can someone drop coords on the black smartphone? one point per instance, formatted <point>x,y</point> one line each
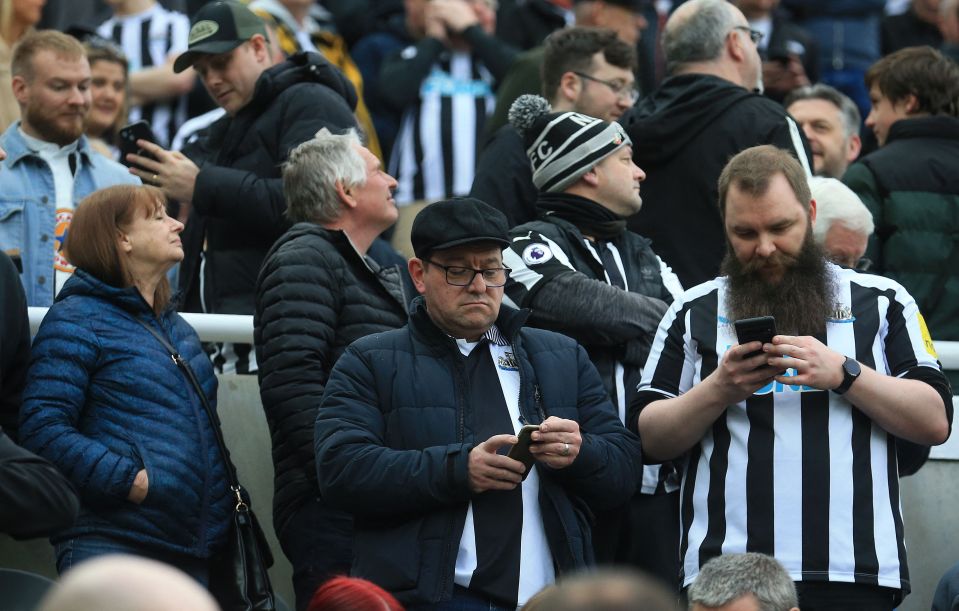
<point>129,134</point>
<point>520,451</point>
<point>761,329</point>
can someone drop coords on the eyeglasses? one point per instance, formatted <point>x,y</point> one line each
<point>862,264</point>
<point>622,89</point>
<point>463,276</point>
<point>754,35</point>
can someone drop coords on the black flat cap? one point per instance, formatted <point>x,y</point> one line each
<point>455,222</point>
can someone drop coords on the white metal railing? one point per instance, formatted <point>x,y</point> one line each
<point>210,327</point>
<point>237,328</point>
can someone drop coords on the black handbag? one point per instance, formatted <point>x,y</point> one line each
<point>238,573</point>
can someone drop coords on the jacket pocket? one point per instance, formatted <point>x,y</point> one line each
<point>12,225</point>
<point>389,557</point>
<point>156,479</point>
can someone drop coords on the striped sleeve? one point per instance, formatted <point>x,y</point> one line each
<point>534,260</point>
<point>674,364</point>
<point>905,338</point>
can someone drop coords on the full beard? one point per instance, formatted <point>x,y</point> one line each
<point>800,302</point>
<point>54,131</point>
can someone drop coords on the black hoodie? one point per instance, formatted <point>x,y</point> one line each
<point>239,190</point>
<point>683,135</point>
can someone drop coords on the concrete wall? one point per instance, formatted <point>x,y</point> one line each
<point>930,502</point>
<point>930,506</point>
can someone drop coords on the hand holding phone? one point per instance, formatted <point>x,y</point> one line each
<point>520,451</point>
<point>129,134</point>
<point>761,329</point>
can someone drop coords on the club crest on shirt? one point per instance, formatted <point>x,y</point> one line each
<point>507,361</point>
<point>537,254</point>
<point>841,313</point>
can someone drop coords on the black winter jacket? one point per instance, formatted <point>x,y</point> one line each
<point>613,325</point>
<point>315,296</point>
<point>14,345</point>
<point>683,135</point>
<point>504,177</point>
<point>35,498</point>
<point>393,437</point>
<point>239,190</point>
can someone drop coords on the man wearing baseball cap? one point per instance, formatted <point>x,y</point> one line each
<point>232,190</point>
<point>415,424</point>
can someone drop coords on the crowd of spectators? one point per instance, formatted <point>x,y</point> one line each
<point>413,173</point>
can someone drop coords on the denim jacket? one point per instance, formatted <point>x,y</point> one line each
<point>28,203</point>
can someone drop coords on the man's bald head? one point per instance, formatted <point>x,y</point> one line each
<point>127,583</point>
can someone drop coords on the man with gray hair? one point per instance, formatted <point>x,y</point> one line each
<point>706,111</point>
<point>843,223</point>
<point>317,292</point>
<point>830,120</point>
<point>743,582</point>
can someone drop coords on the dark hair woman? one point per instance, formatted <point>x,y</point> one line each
<point>108,406</point>
<point>109,92</point>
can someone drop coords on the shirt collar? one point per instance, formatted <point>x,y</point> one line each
<point>492,335</point>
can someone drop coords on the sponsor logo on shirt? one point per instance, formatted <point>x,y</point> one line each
<point>926,338</point>
<point>537,254</point>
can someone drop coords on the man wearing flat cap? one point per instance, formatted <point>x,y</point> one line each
<point>232,183</point>
<point>415,424</point>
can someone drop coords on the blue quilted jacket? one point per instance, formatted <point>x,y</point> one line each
<point>104,399</point>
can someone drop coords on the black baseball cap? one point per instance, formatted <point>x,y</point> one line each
<point>217,28</point>
<point>455,222</point>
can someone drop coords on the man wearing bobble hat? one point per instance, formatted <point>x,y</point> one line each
<point>582,273</point>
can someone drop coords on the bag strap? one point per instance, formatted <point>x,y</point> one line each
<point>191,376</point>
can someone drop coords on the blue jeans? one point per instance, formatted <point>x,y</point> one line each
<point>463,600</point>
<point>71,552</point>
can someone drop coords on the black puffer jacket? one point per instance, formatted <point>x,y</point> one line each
<point>395,430</point>
<point>239,192</point>
<point>315,295</point>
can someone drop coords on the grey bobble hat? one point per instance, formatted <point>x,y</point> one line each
<point>562,146</point>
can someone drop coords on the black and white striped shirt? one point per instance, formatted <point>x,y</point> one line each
<point>797,473</point>
<point>147,39</point>
<point>436,148</point>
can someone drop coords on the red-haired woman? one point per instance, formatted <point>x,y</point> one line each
<point>352,594</point>
<point>108,406</point>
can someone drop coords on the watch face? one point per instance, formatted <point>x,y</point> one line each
<point>851,367</point>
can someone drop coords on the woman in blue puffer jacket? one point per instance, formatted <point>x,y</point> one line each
<point>108,406</point>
